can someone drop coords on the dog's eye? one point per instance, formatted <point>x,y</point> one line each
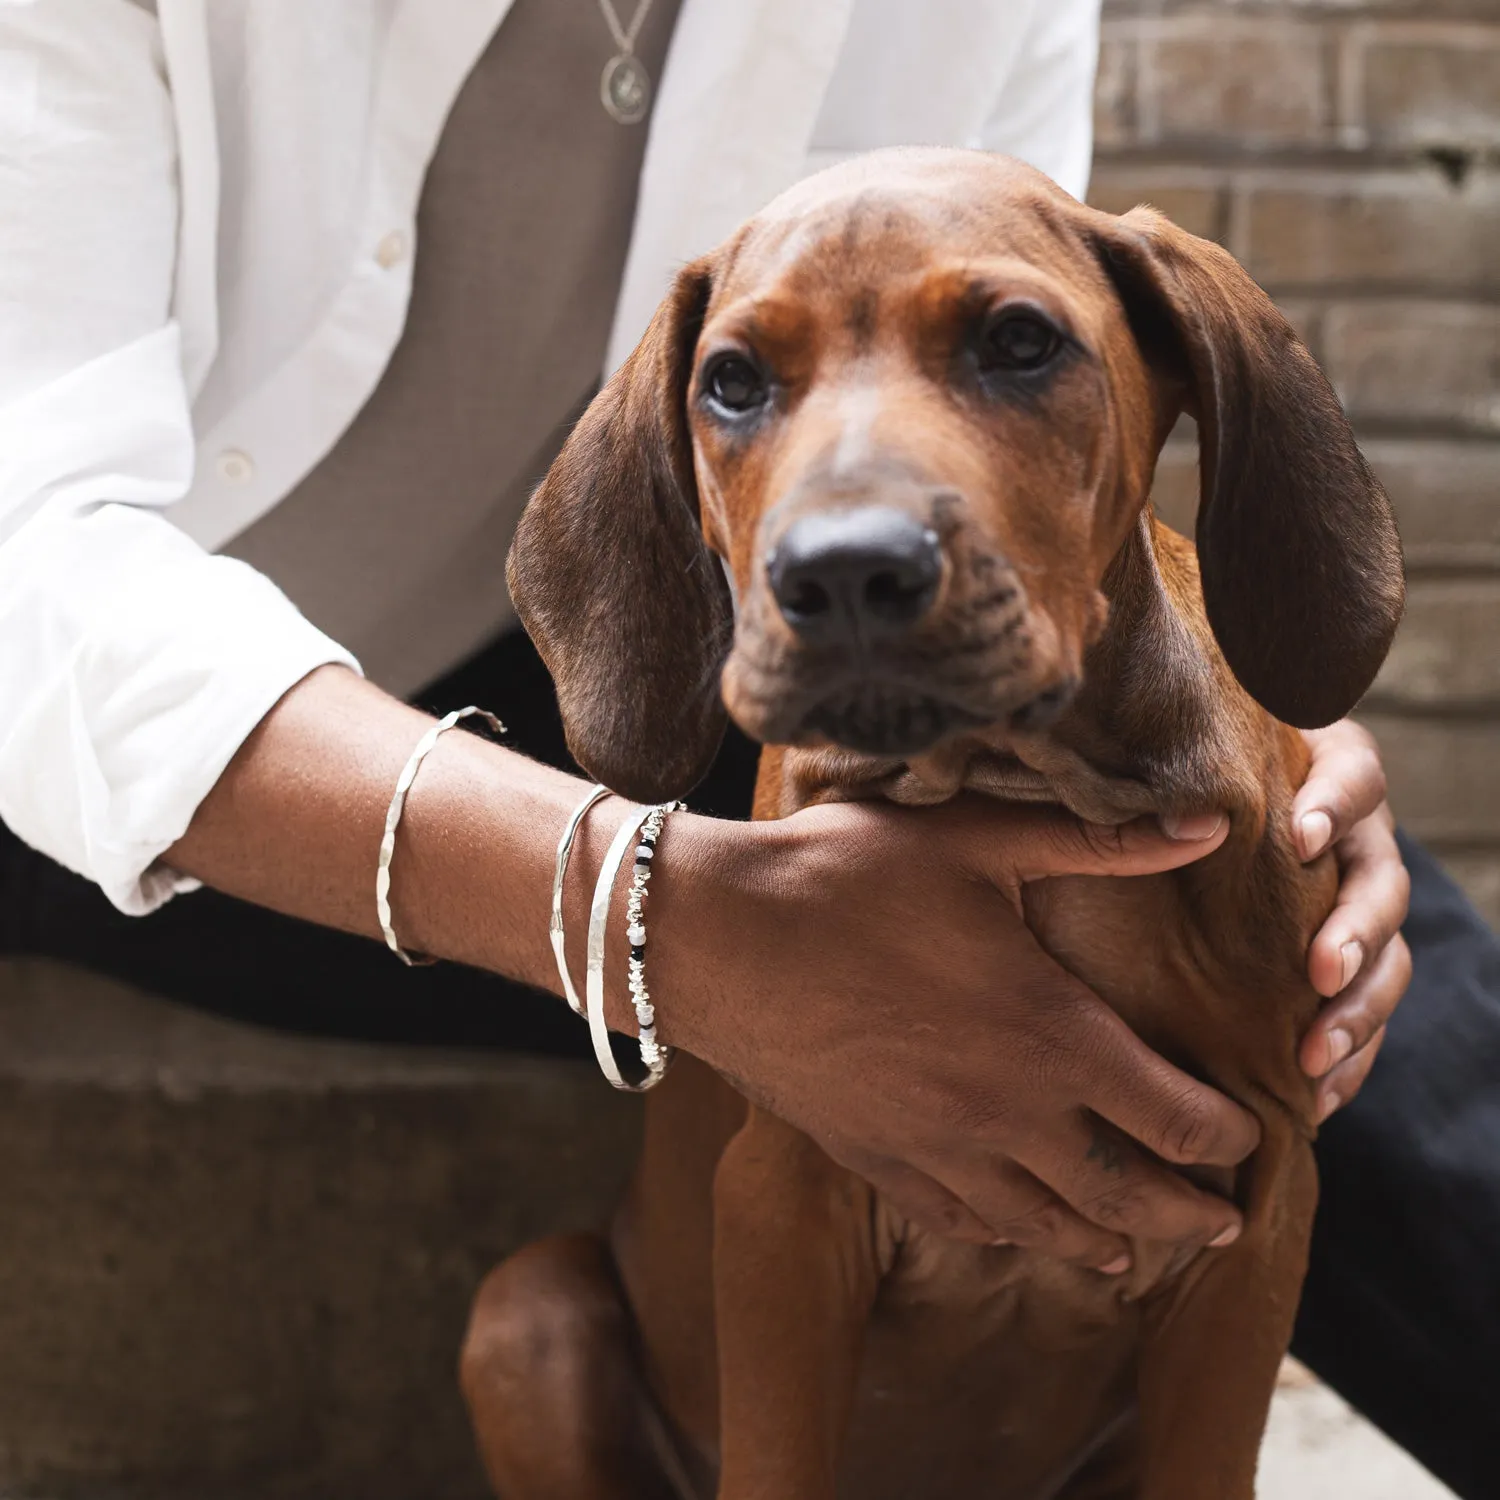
<point>733,383</point>
<point>1018,341</point>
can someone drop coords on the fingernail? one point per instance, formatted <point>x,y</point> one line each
<point>1000,1244</point>
<point>1193,830</point>
<point>1117,1267</point>
<point>1225,1237</point>
<point>1326,1106</point>
<point>1353,955</point>
<point>1340,1045</point>
<point>1317,832</point>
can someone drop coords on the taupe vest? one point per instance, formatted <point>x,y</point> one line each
<point>395,544</point>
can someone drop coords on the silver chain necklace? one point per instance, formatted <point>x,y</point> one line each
<point>625,88</point>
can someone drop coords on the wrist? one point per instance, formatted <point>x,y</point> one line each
<point>702,927</point>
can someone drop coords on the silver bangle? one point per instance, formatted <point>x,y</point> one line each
<point>559,874</point>
<point>656,1057</point>
<point>393,817</point>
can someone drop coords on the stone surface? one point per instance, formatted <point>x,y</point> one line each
<point>1423,85</point>
<point>1316,1448</point>
<point>1175,490</point>
<point>1114,90</point>
<point>1246,83</point>
<point>1193,199</point>
<point>1444,654</point>
<point>1447,499</point>
<point>1444,774</point>
<point>1374,230</point>
<point>1416,363</point>
<point>238,1264</point>
<point>1381,222</point>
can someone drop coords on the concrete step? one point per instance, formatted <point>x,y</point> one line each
<point>233,1263</point>
<point>237,1264</point>
<point>1318,1448</point>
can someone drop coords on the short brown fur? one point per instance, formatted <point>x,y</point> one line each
<point>781,1333</point>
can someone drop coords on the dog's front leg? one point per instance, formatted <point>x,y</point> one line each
<point>1215,1341</point>
<point>795,1275</point>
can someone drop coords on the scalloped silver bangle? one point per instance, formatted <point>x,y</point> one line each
<point>393,819</point>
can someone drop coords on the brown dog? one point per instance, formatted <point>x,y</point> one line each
<point>916,406</point>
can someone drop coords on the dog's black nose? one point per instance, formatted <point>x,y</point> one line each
<point>855,574</point>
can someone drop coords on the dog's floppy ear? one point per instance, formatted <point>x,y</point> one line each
<point>1297,544</point>
<point>612,579</point>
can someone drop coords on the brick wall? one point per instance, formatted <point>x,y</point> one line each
<point>1348,152</point>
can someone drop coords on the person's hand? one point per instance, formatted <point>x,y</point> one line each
<point>1358,955</point>
<point>862,970</point>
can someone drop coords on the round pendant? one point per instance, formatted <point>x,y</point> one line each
<point>625,89</point>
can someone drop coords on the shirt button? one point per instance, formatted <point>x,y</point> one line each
<point>391,250</point>
<point>235,467</point>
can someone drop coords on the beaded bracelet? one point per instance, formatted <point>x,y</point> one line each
<point>393,817</point>
<point>657,1058</point>
<point>652,1054</point>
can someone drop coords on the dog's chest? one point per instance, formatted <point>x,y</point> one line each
<point>987,1371</point>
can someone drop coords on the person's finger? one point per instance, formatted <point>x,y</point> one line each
<point>1371,907</point>
<point>1106,1180</point>
<point>1022,1211</point>
<point>1345,785</point>
<point>1039,842</point>
<point>1178,1118</point>
<point>927,1203</point>
<point>1349,1023</point>
<point>1348,1078</point>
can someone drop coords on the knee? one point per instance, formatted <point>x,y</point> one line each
<point>538,1314</point>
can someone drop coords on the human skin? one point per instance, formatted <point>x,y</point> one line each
<point>875,1013</point>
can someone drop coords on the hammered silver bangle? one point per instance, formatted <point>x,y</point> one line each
<point>393,818</point>
<point>559,874</point>
<point>656,1057</point>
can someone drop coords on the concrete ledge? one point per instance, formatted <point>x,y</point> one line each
<point>235,1263</point>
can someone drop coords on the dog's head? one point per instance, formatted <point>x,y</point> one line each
<point>863,479</point>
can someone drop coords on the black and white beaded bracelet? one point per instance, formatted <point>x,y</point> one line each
<point>641,828</point>
<point>652,1054</point>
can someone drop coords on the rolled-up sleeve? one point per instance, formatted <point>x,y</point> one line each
<point>132,663</point>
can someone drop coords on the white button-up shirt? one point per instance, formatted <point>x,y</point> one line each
<point>207,228</point>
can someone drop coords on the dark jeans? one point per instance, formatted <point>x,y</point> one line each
<point>1401,1311</point>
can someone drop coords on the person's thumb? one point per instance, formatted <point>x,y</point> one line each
<point>1039,842</point>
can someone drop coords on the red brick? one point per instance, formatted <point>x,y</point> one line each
<point>1189,196</point>
<point>1434,661</point>
<point>1423,85</point>
<point>1447,499</point>
<point>1444,774</point>
<point>1386,230</point>
<point>1410,362</point>
<point>1216,81</point>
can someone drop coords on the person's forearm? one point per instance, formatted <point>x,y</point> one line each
<point>296,819</point>
<point>791,956</point>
